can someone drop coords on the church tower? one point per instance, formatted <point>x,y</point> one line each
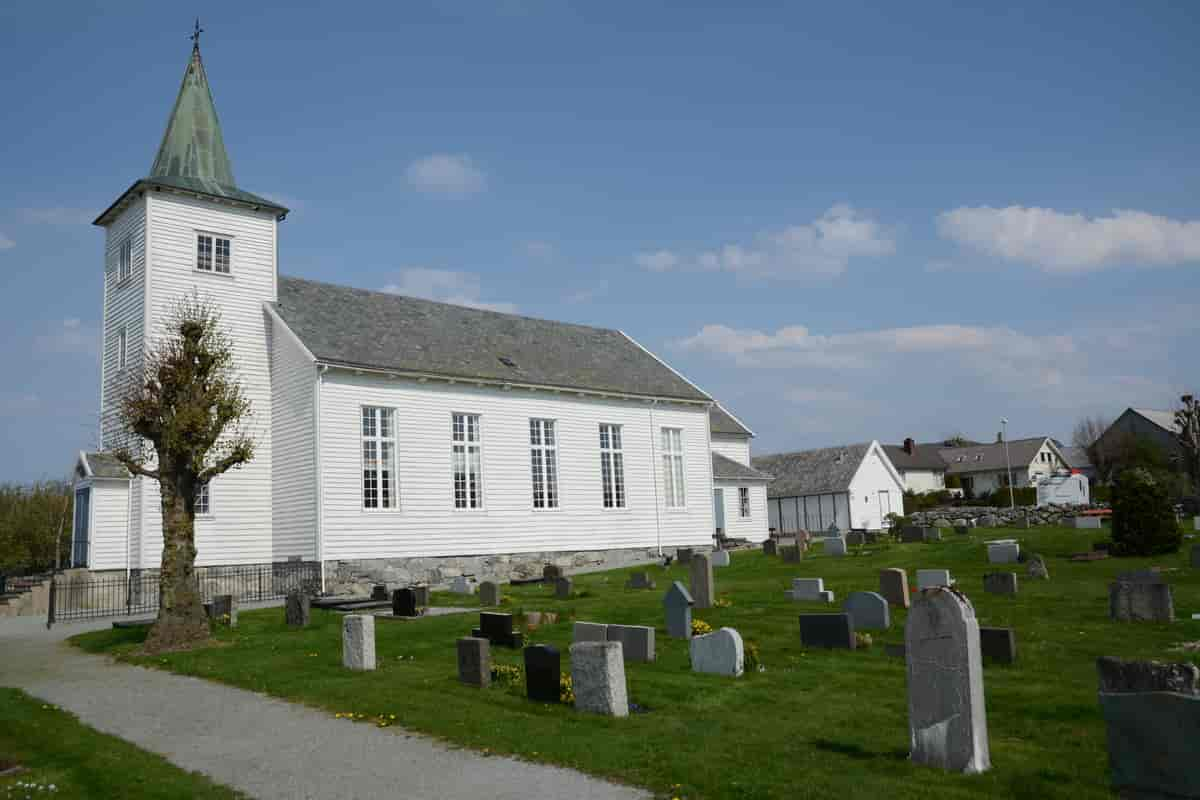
<point>187,229</point>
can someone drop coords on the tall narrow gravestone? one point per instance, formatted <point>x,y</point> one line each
<point>684,555</point>
<point>946,718</point>
<point>893,585</point>
<point>770,548</point>
<point>358,642</point>
<point>489,593</point>
<point>563,588</point>
<point>421,596</point>
<point>678,606</point>
<point>702,580</point>
<point>1196,555</point>
<point>298,609</point>
<point>404,603</point>
<point>225,610</point>
<point>543,665</point>
<point>790,553</point>
<point>474,662</point>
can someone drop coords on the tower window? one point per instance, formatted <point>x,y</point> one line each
<point>212,253</point>
<point>125,259</point>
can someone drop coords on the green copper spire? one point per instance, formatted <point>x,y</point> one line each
<point>192,148</point>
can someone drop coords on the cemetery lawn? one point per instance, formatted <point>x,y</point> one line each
<point>56,748</point>
<point>814,724</point>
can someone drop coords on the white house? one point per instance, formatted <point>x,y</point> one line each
<point>984,468</point>
<point>920,465</point>
<point>739,490</point>
<point>854,486</point>
<point>396,438</point>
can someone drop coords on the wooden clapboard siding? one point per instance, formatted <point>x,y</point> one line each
<point>734,447</point>
<point>293,465</point>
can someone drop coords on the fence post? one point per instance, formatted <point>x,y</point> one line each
<point>52,600</point>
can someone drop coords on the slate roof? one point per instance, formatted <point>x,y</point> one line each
<point>809,472</point>
<point>924,456</point>
<point>1077,457</point>
<point>104,465</point>
<point>721,421</point>
<point>990,457</point>
<point>359,328</point>
<point>1163,419</point>
<point>727,469</point>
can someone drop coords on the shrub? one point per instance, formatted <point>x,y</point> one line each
<point>1022,496</point>
<point>1143,521</point>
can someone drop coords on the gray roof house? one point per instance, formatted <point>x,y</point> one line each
<point>984,468</point>
<point>1151,425</point>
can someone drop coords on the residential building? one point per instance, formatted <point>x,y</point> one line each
<point>921,466</point>
<point>985,468</point>
<point>1150,425</point>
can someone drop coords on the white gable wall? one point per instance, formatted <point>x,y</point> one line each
<point>923,480</point>
<point>427,524</point>
<point>732,446</point>
<point>124,305</point>
<point>294,467</point>
<point>875,475</point>
<point>754,527</point>
<point>108,523</point>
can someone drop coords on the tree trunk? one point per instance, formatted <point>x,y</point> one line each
<point>181,618</point>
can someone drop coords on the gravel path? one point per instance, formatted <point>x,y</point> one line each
<point>264,747</point>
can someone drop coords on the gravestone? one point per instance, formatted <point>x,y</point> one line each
<point>770,548</point>
<point>912,534</point>
<point>1196,556</point>
<point>1036,568</point>
<point>894,650</point>
<point>946,718</point>
<point>835,546</point>
<point>720,653</point>
<point>563,588</point>
<point>640,580</point>
<point>462,585</point>
<point>998,644</point>
<point>941,522</point>
<point>1152,715</point>
<point>404,603</point>
<point>678,605</point>
<point>702,580</point>
<point>1196,523</point>
<point>790,554</point>
<point>933,534</point>
<point>551,573</point>
<point>893,584</point>
<point>868,611</point>
<point>589,632</point>
<point>421,596</point>
<point>379,592</point>
<point>1005,551</point>
<point>1000,583</point>
<point>497,628</point>
<point>684,555</point>
<point>827,630</point>
<point>298,610</point>
<point>931,578</point>
<point>225,610</point>
<point>489,593</point>
<point>474,662</point>
<point>961,530</point>
<point>358,642</point>
<point>598,678</point>
<point>1136,598</point>
<point>637,641</point>
<point>720,558</point>
<point>543,667</point>
<point>962,522</point>
<point>989,521</point>
<point>856,538</point>
<point>810,590</point>
<point>1090,522</point>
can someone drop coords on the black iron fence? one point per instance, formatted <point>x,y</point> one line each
<point>81,597</point>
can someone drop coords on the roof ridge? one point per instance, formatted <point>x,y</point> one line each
<point>815,450</point>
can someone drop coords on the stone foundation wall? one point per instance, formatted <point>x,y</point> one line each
<point>356,577</point>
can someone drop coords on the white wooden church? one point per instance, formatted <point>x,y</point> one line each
<point>396,438</point>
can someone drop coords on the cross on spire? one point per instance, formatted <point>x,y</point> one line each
<point>195,37</point>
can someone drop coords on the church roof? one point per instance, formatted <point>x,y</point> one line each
<point>377,330</point>
<point>808,472</point>
<point>725,468</point>
<point>721,421</point>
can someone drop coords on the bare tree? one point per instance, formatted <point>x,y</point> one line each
<point>189,410</point>
<point>1088,431</point>
<point>1187,419</point>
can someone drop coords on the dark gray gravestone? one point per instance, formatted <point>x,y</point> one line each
<point>543,667</point>
<point>1152,714</point>
<point>1196,556</point>
<point>912,534</point>
<point>791,554</point>
<point>961,530</point>
<point>640,580</point>
<point>678,606</point>
<point>497,629</point>
<point>770,548</point>
<point>856,538</point>
<point>827,630</point>
<point>551,573</point>
<point>421,595</point>
<point>562,588</point>
<point>932,534</point>
<point>893,585</point>
<point>297,612</point>
<point>404,603</point>
<point>225,610</point>
<point>489,593</point>
<point>998,644</point>
<point>868,610</point>
<point>637,641</point>
<point>684,555</point>
<point>1000,583</point>
<point>703,593</point>
<point>379,591</point>
<point>474,662</point>
<point>894,650</point>
<point>1140,601</point>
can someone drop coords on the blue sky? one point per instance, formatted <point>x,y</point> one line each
<point>847,221</point>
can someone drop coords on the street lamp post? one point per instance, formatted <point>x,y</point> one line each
<point>1012,503</point>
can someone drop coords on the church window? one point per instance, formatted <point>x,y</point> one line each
<point>543,455</point>
<point>202,505</point>
<point>378,458</point>
<point>122,347</point>
<point>125,259</point>
<point>466,460</point>
<point>212,253</point>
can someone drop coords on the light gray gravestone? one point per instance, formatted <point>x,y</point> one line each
<point>1007,551</point>
<point>810,590</point>
<point>1036,568</point>
<point>598,678</point>
<point>1000,583</point>
<point>893,585</point>
<point>869,610</point>
<point>358,642</point>
<point>562,588</point>
<point>720,558</point>
<point>637,641</point>
<point>421,596</point>
<point>1152,714</point>
<point>225,610</point>
<point>489,593</point>
<point>770,548</point>
<point>590,632</point>
<point>462,585</point>
<point>1090,522</point>
<point>702,580</point>
<point>835,546</point>
<point>989,521</point>
<point>933,534</point>
<point>678,606</point>
<point>475,661</point>
<point>640,580</point>
<point>720,653</point>
<point>1196,523</point>
<point>298,610</point>
<point>1144,600</point>
<point>930,578</point>
<point>946,717</point>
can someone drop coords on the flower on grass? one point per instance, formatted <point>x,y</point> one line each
<point>700,627</point>
<point>566,690</point>
<point>722,602</point>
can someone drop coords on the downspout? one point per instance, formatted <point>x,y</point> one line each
<point>654,474</point>
<point>128,534</point>
<point>321,368</point>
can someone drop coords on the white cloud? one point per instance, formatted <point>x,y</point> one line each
<point>446,173</point>
<point>446,286</point>
<point>1068,243</point>
<point>822,248</point>
<point>69,336</point>
<point>56,216</point>
<point>6,243</point>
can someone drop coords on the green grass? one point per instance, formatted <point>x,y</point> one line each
<point>57,749</point>
<point>815,724</point>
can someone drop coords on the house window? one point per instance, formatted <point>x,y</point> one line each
<point>744,501</point>
<point>543,460</point>
<point>612,466</point>
<point>378,458</point>
<point>202,501</point>
<point>212,253</point>
<point>122,347</point>
<point>467,461</point>
<point>672,461</point>
<point>125,259</point>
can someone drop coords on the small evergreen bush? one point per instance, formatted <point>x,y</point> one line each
<point>1143,522</point>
